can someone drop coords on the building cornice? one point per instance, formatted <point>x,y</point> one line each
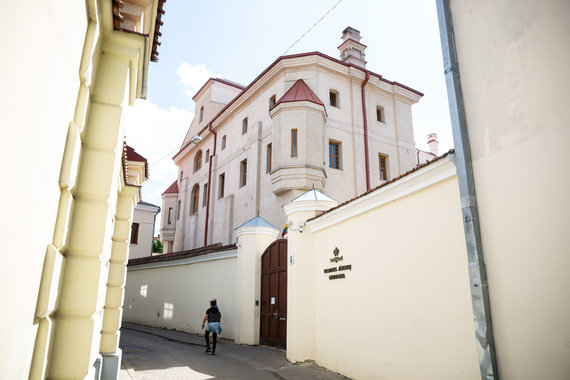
<point>312,205</point>
<point>294,61</point>
<point>256,230</point>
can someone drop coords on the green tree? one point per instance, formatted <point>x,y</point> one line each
<point>157,246</point>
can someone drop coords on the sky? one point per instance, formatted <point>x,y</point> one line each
<point>237,40</point>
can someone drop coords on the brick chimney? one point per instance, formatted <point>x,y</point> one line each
<point>351,50</point>
<point>433,143</point>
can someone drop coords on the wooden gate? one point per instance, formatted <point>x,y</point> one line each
<point>274,294</point>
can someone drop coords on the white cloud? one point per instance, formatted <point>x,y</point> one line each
<point>156,134</point>
<point>194,76</point>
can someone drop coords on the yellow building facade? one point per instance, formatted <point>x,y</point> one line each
<point>72,67</point>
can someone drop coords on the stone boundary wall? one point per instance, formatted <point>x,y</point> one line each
<point>175,294</point>
<point>379,287</point>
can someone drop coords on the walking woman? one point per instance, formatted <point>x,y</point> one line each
<point>212,324</point>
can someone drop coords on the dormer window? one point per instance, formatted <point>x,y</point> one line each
<point>333,97</point>
<point>201,114</point>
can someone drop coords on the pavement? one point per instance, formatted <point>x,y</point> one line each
<point>156,353</point>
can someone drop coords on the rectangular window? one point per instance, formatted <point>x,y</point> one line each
<point>207,158</point>
<point>272,101</point>
<point>293,142</point>
<point>205,196</point>
<point>334,155</point>
<point>383,163</point>
<point>333,97</point>
<point>178,211</point>
<point>243,173</point>
<point>170,215</point>
<point>221,185</point>
<point>135,233</point>
<point>268,165</point>
<point>244,126</point>
<point>380,114</point>
<point>224,142</point>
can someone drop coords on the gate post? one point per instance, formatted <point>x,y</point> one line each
<point>301,274</point>
<point>253,237</point>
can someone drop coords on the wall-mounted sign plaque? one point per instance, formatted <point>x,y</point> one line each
<point>336,258</point>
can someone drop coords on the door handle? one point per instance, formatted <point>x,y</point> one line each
<point>275,314</point>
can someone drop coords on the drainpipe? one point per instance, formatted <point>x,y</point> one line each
<point>209,185</point>
<point>366,164</point>
<point>477,271</point>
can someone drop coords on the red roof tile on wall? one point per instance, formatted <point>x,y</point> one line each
<point>213,248</point>
<point>415,169</point>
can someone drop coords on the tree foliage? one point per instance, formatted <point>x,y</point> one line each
<point>157,246</point>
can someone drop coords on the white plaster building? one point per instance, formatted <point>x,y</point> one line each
<point>142,229</point>
<point>307,121</point>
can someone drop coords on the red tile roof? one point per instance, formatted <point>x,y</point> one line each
<point>132,155</point>
<point>218,247</point>
<point>451,151</point>
<point>172,189</point>
<point>299,92</point>
<point>129,154</point>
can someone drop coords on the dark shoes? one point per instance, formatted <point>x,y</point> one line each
<point>213,352</point>
<point>208,349</point>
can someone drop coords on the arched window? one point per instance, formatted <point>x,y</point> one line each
<point>201,114</point>
<point>195,198</point>
<point>198,161</point>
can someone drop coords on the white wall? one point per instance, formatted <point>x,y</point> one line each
<point>176,294</point>
<point>145,217</point>
<point>404,309</point>
<point>40,80</point>
<point>513,60</point>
